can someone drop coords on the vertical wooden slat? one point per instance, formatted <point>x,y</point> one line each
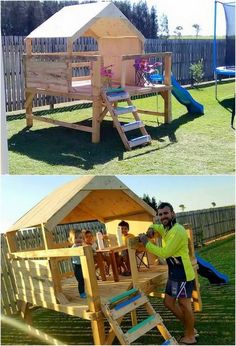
<point>94,302</point>
<point>8,288</point>
<point>97,101</point>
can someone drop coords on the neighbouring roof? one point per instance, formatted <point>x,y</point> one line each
<point>103,198</point>
<point>97,20</point>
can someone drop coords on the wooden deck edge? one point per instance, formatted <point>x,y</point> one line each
<point>71,95</point>
<point>73,310</point>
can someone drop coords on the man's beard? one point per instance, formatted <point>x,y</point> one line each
<point>170,223</point>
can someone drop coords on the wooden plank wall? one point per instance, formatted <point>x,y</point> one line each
<point>185,52</point>
<point>34,279</point>
<point>209,224</point>
<point>8,288</point>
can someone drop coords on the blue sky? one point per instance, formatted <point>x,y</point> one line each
<point>189,12</point>
<point>21,193</point>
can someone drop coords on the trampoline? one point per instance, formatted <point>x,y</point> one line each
<point>228,70</point>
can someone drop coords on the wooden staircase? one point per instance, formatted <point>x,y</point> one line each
<point>111,97</point>
<point>117,307</point>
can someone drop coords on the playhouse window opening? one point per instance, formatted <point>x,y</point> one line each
<point>61,231</point>
<point>28,238</point>
<point>59,45</point>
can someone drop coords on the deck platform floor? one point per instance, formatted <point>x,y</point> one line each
<point>83,90</point>
<point>109,288</point>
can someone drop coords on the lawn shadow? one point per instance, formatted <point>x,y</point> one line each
<point>66,147</point>
<point>169,130</point>
<point>59,146</point>
<point>229,104</point>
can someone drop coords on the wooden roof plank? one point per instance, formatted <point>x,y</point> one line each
<point>73,21</point>
<point>107,195</point>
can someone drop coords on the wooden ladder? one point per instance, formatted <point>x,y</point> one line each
<point>117,307</point>
<point>111,97</point>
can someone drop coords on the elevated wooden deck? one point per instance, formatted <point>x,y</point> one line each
<point>148,280</point>
<point>83,90</point>
<point>52,74</point>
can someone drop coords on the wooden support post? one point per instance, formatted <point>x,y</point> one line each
<point>28,46</point>
<point>28,108</point>
<point>69,63</point>
<point>11,241</point>
<point>28,95</point>
<point>123,73</point>
<point>167,66</point>
<point>93,297</point>
<point>196,296</point>
<point>47,238</point>
<point>97,100</point>
<point>96,124</point>
<point>56,276</point>
<point>167,94</point>
<point>25,311</point>
<point>132,258</point>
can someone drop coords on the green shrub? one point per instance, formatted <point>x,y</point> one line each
<point>196,71</point>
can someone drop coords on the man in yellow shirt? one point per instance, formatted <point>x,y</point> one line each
<point>181,275</point>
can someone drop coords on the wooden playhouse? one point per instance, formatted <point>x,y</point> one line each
<point>77,74</point>
<point>36,264</point>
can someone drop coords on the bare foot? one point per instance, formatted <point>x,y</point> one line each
<point>187,341</point>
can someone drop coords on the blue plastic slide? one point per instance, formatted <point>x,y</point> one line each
<point>207,270</point>
<point>184,97</point>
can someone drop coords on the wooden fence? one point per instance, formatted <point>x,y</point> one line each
<point>207,224</point>
<point>184,52</point>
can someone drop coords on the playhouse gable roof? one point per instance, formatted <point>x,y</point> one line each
<point>103,198</point>
<point>97,20</point>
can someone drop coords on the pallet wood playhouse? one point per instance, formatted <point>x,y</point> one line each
<point>40,283</point>
<point>77,74</point>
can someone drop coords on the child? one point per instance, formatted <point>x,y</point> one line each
<point>89,240</point>
<point>75,238</point>
<point>124,260</point>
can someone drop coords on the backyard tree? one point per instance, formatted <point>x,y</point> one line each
<point>197,29</point>
<point>150,201</point>
<point>178,31</point>
<point>164,27</point>
<point>182,207</point>
<point>213,204</point>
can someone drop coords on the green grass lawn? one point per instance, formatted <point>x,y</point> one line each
<point>216,322</point>
<point>189,145</point>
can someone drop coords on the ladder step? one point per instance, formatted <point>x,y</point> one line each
<point>122,296</point>
<point>139,140</point>
<point>143,327</point>
<point>117,96</point>
<point>127,302</point>
<point>131,305</point>
<point>112,90</point>
<point>132,126</point>
<point>124,110</point>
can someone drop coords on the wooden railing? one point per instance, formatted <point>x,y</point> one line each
<point>166,57</point>
<point>57,71</point>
